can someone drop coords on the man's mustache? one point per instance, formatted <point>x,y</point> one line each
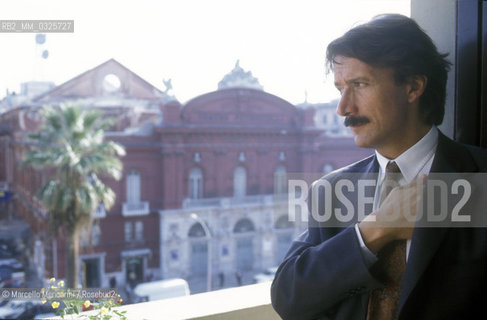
<point>355,120</point>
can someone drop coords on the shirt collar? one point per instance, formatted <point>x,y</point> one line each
<point>412,161</point>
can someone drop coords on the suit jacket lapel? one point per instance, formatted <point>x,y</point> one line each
<point>367,171</point>
<point>370,172</point>
<point>373,166</point>
<point>424,244</point>
<point>425,241</point>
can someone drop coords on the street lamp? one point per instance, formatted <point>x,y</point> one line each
<point>194,216</point>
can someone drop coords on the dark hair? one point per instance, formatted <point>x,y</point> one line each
<point>396,41</point>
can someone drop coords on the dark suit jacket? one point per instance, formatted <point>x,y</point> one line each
<point>324,277</point>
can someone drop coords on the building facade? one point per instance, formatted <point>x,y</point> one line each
<point>204,185</point>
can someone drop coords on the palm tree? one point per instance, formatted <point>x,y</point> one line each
<point>70,144</point>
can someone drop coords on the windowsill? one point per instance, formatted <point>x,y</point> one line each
<point>135,209</point>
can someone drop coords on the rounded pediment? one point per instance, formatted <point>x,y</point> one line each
<point>240,107</point>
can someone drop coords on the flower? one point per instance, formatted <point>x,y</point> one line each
<point>55,304</point>
<point>86,304</point>
<point>110,302</point>
<point>43,300</point>
<point>103,310</point>
<point>52,280</point>
<point>61,283</point>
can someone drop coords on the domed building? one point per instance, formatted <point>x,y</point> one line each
<point>233,148</point>
<point>204,188</point>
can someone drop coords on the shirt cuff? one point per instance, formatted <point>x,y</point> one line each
<point>368,256</point>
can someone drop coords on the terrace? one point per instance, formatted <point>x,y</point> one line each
<point>246,302</point>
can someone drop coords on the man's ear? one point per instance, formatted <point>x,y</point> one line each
<point>416,86</point>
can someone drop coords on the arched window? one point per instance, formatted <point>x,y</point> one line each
<point>244,244</point>
<point>197,157</point>
<point>195,183</point>
<point>280,183</point>
<point>241,157</point>
<point>243,226</point>
<point>283,223</point>
<point>239,182</point>
<point>133,187</point>
<point>196,231</point>
<point>199,250</point>
<point>284,236</point>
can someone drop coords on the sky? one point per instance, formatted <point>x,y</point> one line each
<point>192,42</point>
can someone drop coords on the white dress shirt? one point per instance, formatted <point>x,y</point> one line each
<point>414,162</point>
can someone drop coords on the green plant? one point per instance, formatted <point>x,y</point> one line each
<point>65,305</point>
<point>71,146</point>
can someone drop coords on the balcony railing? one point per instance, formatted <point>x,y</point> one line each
<point>135,208</point>
<point>263,199</point>
<point>246,302</point>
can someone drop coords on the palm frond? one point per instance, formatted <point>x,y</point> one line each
<point>71,143</point>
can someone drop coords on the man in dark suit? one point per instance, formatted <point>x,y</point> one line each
<point>392,82</point>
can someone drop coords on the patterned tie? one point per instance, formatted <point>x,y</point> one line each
<point>391,263</point>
